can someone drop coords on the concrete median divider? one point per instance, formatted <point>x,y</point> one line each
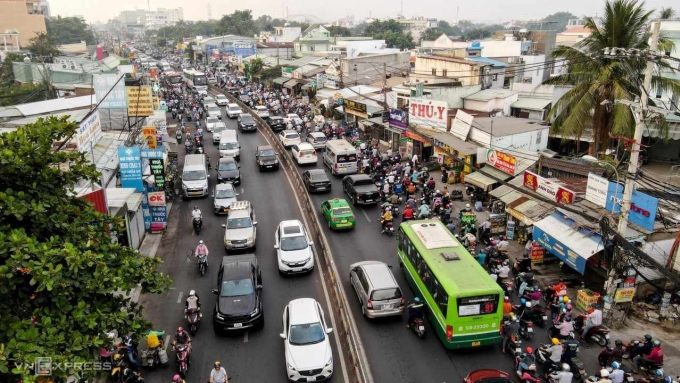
<point>358,367</point>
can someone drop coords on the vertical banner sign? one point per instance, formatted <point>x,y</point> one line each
<point>398,119</point>
<point>156,165</point>
<point>596,191</point>
<point>158,214</point>
<point>140,100</point>
<point>462,124</point>
<point>89,132</point>
<point>149,134</point>
<point>157,198</point>
<point>116,97</point>
<point>130,162</point>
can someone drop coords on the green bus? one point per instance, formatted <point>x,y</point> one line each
<point>464,305</point>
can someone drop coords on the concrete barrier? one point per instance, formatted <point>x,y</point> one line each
<point>355,356</point>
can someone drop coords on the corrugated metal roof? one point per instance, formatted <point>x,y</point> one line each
<point>50,106</point>
<point>490,94</point>
<point>280,80</point>
<point>531,103</point>
<point>570,167</point>
<point>487,60</point>
<point>134,201</point>
<point>532,209</point>
<point>463,147</point>
<point>501,191</point>
<point>74,116</point>
<point>105,152</point>
<point>118,197</point>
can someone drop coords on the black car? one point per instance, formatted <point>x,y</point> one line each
<point>316,180</point>
<point>228,170</point>
<point>277,123</point>
<point>239,294</point>
<point>244,99</point>
<point>361,189</point>
<point>266,158</point>
<point>246,122</point>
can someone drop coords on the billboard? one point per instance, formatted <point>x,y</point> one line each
<point>398,119</point>
<point>89,132</point>
<point>501,161</point>
<point>642,207</point>
<point>428,113</point>
<point>554,191</point>
<point>244,49</point>
<point>597,189</point>
<point>116,98</point>
<point>130,163</point>
<point>461,125</point>
<point>140,100</point>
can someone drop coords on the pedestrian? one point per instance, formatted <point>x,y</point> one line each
<point>414,161</point>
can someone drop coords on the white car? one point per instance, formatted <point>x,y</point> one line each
<point>306,341</point>
<point>293,248</point>
<point>214,111</point>
<point>317,139</point>
<point>211,122</point>
<point>292,117</point>
<point>233,110</point>
<point>221,100</point>
<point>289,138</point>
<point>304,153</point>
<point>208,102</point>
<point>262,111</point>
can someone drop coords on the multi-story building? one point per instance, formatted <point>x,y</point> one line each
<point>316,38</point>
<point>23,16</point>
<point>163,17</point>
<point>45,6</point>
<point>417,25</point>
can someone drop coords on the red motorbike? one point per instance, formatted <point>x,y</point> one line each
<point>182,359</point>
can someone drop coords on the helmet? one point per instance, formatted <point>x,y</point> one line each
<point>615,365</point>
<point>610,348</point>
<point>568,319</point>
<point>668,379</point>
<point>506,299</point>
<point>658,372</point>
<point>528,304</point>
<point>657,343</point>
<point>648,337</point>
<point>467,205</point>
<point>569,306</point>
<point>565,367</point>
<point>561,299</point>
<point>192,293</point>
<point>522,301</point>
<point>438,192</point>
<point>176,379</point>
<point>555,341</point>
<point>201,242</point>
<point>604,373</point>
<point>529,350</point>
<point>493,243</point>
<point>179,329</point>
<point>590,310</point>
<point>618,343</point>
<point>417,300</point>
<point>217,363</point>
<point>566,299</point>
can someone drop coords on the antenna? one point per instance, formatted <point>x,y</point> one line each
<point>457,10</point>
<point>148,4</point>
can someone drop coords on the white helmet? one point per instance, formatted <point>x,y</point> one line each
<point>604,373</point>
<point>192,293</point>
<point>467,205</point>
<point>528,304</point>
<point>201,242</point>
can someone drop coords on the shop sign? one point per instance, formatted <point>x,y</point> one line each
<point>415,136</point>
<point>130,163</point>
<point>561,251</point>
<point>547,188</point>
<point>89,132</point>
<point>158,171</point>
<point>297,75</point>
<point>462,124</point>
<point>116,96</point>
<point>157,198</point>
<point>428,113</point>
<point>287,72</point>
<point>398,119</point>
<point>330,83</point>
<point>355,107</point>
<point>244,49</point>
<point>153,153</point>
<point>625,294</point>
<point>158,214</point>
<point>501,161</point>
<point>140,100</point>
<point>321,80</point>
<point>597,188</point>
<point>642,207</point>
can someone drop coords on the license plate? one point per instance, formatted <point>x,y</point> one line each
<point>530,329</point>
<point>369,200</point>
<point>342,224</point>
<point>321,187</point>
<point>476,343</point>
<point>630,379</point>
<point>422,328</point>
<point>238,325</point>
<point>311,379</point>
<point>388,307</point>
<point>343,221</point>
<point>270,166</point>
<point>606,336</point>
<point>226,210</point>
<point>518,350</point>
<point>239,246</point>
<point>545,317</point>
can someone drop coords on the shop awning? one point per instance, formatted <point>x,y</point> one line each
<point>340,109</point>
<point>528,210</point>
<point>280,80</point>
<point>531,103</point>
<point>464,148</point>
<point>486,177</point>
<point>290,83</point>
<point>571,244</point>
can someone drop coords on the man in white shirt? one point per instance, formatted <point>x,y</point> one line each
<point>593,319</point>
<point>218,374</point>
<point>503,271</point>
<point>362,146</point>
<point>196,213</point>
<point>414,161</point>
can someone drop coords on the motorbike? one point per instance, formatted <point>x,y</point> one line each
<point>181,358</point>
<point>540,315</point>
<point>193,319</point>
<point>526,328</point>
<point>597,334</point>
<point>198,225</point>
<point>388,228</point>
<point>521,266</point>
<point>456,195</point>
<point>178,136</point>
<point>418,327</point>
<point>202,263</point>
<point>528,375</point>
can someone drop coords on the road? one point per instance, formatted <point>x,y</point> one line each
<point>248,357</point>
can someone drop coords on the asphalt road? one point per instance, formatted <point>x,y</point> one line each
<point>256,356</point>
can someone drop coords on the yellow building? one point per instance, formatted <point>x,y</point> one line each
<point>25,16</point>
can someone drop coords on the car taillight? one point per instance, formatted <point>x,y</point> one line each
<point>301,155</point>
<point>449,333</point>
<point>403,301</point>
<point>352,217</point>
<point>314,154</point>
<point>369,304</point>
<point>336,166</point>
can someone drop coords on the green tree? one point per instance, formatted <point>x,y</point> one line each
<point>378,27</point>
<point>558,21</point>
<point>60,273</point>
<point>430,34</point>
<point>666,13</point>
<point>43,47</point>
<point>256,67</point>
<point>598,82</point>
<point>238,23</point>
<point>340,31</point>
<point>69,30</point>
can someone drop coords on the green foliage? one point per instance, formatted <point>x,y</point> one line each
<point>69,30</point>
<point>378,27</point>
<point>238,23</point>
<point>15,93</point>
<point>59,271</point>
<point>560,18</point>
<point>187,29</point>
<point>431,34</point>
<point>337,30</point>
<point>43,47</point>
<point>6,71</point>
<point>481,32</point>
<point>268,73</point>
<point>255,67</point>
<point>666,13</point>
<point>390,31</point>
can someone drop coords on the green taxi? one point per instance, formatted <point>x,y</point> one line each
<point>338,214</point>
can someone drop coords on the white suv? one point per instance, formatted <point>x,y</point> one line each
<point>304,153</point>
<point>241,231</point>
<point>293,248</point>
<point>233,110</point>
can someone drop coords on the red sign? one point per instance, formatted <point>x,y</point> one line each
<point>156,198</point>
<point>501,161</point>
<point>550,189</point>
<point>98,199</point>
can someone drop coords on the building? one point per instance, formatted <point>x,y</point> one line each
<point>24,16</point>
<point>438,68</point>
<point>416,26</point>
<point>572,36</point>
<point>280,35</point>
<point>163,17</point>
<point>366,69</point>
<point>494,102</point>
<point>10,42</point>
<point>45,6</point>
<point>523,56</point>
<point>442,42</point>
<point>510,133</point>
<point>354,48</point>
<point>316,38</point>
<point>133,22</point>
<point>276,51</point>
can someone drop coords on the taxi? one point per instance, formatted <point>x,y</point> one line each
<point>338,214</point>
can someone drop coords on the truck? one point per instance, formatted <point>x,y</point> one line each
<point>361,189</point>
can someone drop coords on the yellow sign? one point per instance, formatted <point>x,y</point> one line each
<point>151,142</point>
<point>140,101</point>
<point>131,55</point>
<point>625,294</point>
<point>148,131</point>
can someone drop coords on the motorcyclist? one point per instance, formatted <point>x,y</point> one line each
<point>424,211</point>
<point>507,307</point>
<point>510,329</point>
<point>386,218</point>
<point>617,373</point>
<point>564,376</point>
<point>617,354</point>
<point>130,346</point>
<point>527,361</point>
<point>566,328</point>
<point>408,213</point>
<point>415,311</point>
<point>570,346</point>
<point>555,350</point>
<point>535,296</point>
<point>593,319</point>
<point>182,338</point>
<point>655,356</point>
<point>192,302</point>
<point>604,356</point>
<point>604,376</point>
<point>504,270</point>
<point>524,310</point>
<point>177,379</point>
<point>196,213</point>
<point>644,348</point>
<point>202,249</point>
<point>218,374</point>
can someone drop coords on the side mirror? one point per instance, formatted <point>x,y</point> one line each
<point>259,287</point>
<point>214,291</point>
<point>329,330</point>
<point>255,223</point>
<point>224,225</point>
<point>282,335</point>
<point>276,247</point>
<point>311,243</point>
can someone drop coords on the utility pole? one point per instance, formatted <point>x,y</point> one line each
<point>384,87</point>
<point>610,286</point>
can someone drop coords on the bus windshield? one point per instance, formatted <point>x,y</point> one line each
<point>200,80</point>
<point>175,79</point>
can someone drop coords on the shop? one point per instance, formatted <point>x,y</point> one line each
<point>279,81</point>
<point>520,211</point>
<point>127,204</point>
<point>449,149</point>
<point>413,143</point>
<point>381,132</point>
<point>486,177</point>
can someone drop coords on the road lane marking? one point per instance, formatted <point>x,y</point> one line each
<point>243,190</point>
<point>365,215</point>
<point>245,337</point>
<point>179,298</point>
<point>173,288</point>
<point>167,339</point>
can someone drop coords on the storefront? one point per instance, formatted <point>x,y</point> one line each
<point>295,85</point>
<point>127,204</point>
<point>279,81</point>
<point>382,132</point>
<point>520,210</point>
<point>449,149</point>
<point>412,142</point>
<point>486,177</point>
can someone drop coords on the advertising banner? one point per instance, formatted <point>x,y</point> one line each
<point>140,100</point>
<point>287,72</point>
<point>321,80</point>
<point>158,171</point>
<point>398,119</point>
<point>625,294</point>
<point>560,250</point>
<point>157,198</point>
<point>158,214</point>
<point>596,191</point>
<point>89,132</point>
<point>130,162</point>
<point>547,188</point>
<point>153,153</point>
<point>244,49</point>
<point>428,113</point>
<point>642,207</point>
<point>116,98</point>
<point>501,161</point>
<point>355,107</point>
<point>461,125</point>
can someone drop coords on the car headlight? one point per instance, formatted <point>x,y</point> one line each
<point>219,316</point>
<point>227,241</point>
<point>257,311</point>
<point>330,361</point>
<point>290,367</point>
<point>184,186</point>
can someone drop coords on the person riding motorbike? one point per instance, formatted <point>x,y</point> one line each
<point>424,211</point>
<point>130,346</point>
<point>192,302</point>
<point>507,307</point>
<point>564,376</point>
<point>527,361</point>
<point>196,213</point>
<point>566,328</point>
<point>555,350</point>
<point>617,375</point>
<point>386,219</point>
<point>593,318</point>
<point>644,348</point>
<point>177,379</point>
<point>654,358</point>
<point>504,270</point>
<point>511,328</point>
<point>202,249</point>
<point>408,213</point>
<point>415,311</point>
<point>617,354</point>
<point>570,346</point>
<point>182,338</point>
<point>218,374</point>
<point>604,376</point>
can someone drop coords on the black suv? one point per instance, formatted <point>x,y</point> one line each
<point>266,158</point>
<point>239,290</point>
<point>277,123</point>
<point>361,189</point>
<point>246,122</point>
<point>316,180</point>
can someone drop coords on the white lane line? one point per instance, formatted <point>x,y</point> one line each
<point>167,340</point>
<point>173,288</point>
<point>243,190</point>
<point>245,337</point>
<point>365,215</point>
<point>179,298</point>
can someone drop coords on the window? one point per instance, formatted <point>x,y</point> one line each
<point>659,92</point>
<point>434,71</point>
<point>444,72</point>
<point>311,48</point>
<point>441,297</point>
<point>495,77</point>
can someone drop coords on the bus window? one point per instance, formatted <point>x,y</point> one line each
<point>442,299</point>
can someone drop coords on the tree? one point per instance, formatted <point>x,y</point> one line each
<point>598,82</point>
<point>69,30</point>
<point>341,31</point>
<point>558,21</point>
<point>59,270</point>
<point>431,34</point>
<point>43,47</point>
<point>666,13</point>
<point>238,23</point>
<point>378,27</point>
<point>255,67</point>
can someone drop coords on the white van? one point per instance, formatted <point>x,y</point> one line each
<point>229,146</point>
<point>195,176</point>
<point>340,156</point>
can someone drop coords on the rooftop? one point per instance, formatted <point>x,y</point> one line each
<point>489,61</point>
<point>503,126</point>
<point>48,106</point>
<point>451,59</point>
<point>490,94</point>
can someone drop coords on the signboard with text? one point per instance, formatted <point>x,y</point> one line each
<point>157,198</point>
<point>501,161</point>
<point>547,188</point>
<point>130,163</point>
<point>156,165</point>
<point>116,96</point>
<point>244,49</point>
<point>89,132</point>
<point>461,125</point>
<point>355,107</point>
<point>398,119</point>
<point>287,72</point>
<point>159,214</point>
<point>642,207</point>
<point>428,113</point>
<point>140,100</point>
<point>596,191</point>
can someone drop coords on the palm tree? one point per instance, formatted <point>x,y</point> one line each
<point>666,13</point>
<point>598,81</point>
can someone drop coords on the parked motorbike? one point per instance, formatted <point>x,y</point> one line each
<point>597,334</point>
<point>198,225</point>
<point>193,317</point>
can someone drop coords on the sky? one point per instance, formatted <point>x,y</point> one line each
<point>491,11</point>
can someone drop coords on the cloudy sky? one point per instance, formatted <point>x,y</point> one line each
<point>487,10</point>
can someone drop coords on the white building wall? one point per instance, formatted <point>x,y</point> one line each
<point>501,48</point>
<point>533,141</point>
<point>454,95</point>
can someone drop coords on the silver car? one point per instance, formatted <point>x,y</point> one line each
<point>317,139</point>
<point>241,232</point>
<point>210,123</point>
<point>223,196</point>
<point>377,289</point>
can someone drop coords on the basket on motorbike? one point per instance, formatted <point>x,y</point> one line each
<point>586,299</point>
<point>468,217</point>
